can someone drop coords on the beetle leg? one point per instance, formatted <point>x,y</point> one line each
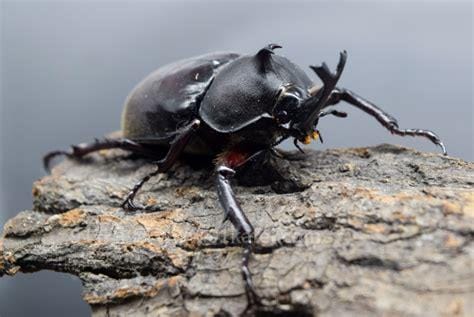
<point>128,203</point>
<point>384,118</point>
<point>80,150</point>
<point>234,213</point>
<point>176,148</point>
<point>336,113</point>
<point>295,142</point>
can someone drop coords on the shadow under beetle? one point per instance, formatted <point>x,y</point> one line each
<point>232,107</point>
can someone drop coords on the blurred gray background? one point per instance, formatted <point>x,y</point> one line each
<point>67,67</point>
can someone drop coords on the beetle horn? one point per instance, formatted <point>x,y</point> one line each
<point>319,96</point>
<point>313,90</point>
<point>263,57</point>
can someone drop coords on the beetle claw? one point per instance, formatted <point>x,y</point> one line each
<point>443,148</point>
<point>252,298</point>
<point>48,158</point>
<point>295,142</point>
<point>129,205</point>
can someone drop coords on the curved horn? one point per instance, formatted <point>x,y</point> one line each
<point>319,96</point>
<point>263,57</point>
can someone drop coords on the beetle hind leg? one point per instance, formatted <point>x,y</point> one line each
<point>80,150</point>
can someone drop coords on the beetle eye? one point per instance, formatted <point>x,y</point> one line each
<point>286,105</point>
<point>282,117</point>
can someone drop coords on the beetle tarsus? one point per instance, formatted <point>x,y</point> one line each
<point>50,156</point>
<point>252,297</point>
<point>128,203</point>
<point>388,121</point>
<point>433,137</point>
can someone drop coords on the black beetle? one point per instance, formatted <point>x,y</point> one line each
<point>233,107</point>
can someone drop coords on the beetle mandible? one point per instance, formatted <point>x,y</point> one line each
<point>232,107</point>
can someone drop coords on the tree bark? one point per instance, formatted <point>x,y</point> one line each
<point>365,231</point>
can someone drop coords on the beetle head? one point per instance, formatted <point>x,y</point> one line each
<point>304,118</point>
<point>289,106</point>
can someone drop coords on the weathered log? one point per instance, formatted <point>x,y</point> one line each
<point>367,231</point>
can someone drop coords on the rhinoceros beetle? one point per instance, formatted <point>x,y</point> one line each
<point>231,107</point>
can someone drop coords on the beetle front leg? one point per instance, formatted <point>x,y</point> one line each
<point>336,113</point>
<point>176,148</point>
<point>234,213</point>
<point>384,118</point>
